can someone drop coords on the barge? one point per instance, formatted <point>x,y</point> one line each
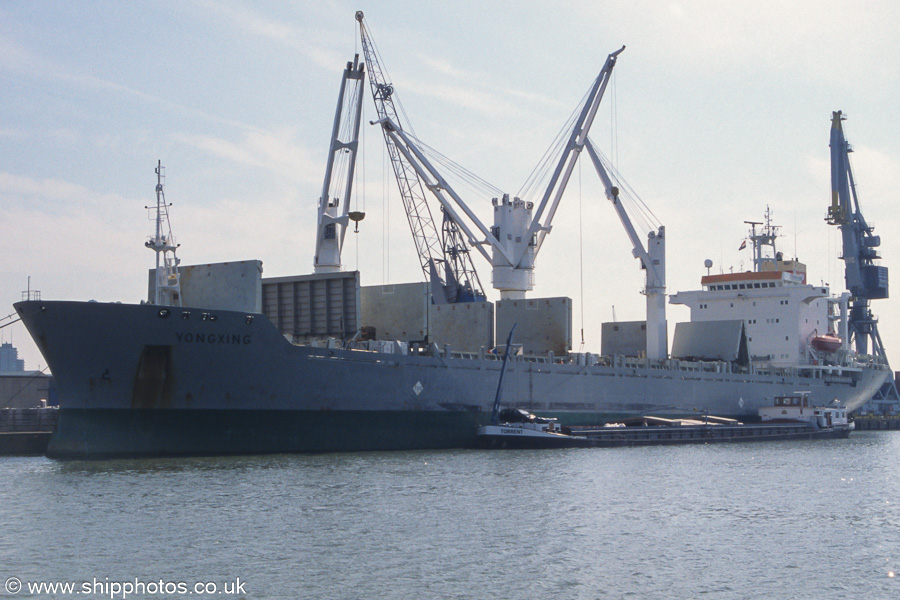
<point>790,418</point>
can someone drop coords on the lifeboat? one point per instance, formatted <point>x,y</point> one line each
<point>826,343</point>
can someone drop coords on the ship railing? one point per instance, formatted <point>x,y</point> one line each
<point>872,362</point>
<point>28,419</point>
<point>642,364</point>
<point>456,354</point>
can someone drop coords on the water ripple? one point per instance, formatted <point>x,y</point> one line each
<point>783,520</point>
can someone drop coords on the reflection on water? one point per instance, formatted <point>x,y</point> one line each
<point>788,519</point>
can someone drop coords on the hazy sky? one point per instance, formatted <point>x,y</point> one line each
<point>718,109</point>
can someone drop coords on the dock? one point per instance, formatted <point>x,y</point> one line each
<point>877,423</point>
<point>26,431</point>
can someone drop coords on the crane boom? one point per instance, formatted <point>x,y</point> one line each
<point>444,257</point>
<point>519,225</point>
<point>653,261</point>
<point>577,139</point>
<point>334,203</point>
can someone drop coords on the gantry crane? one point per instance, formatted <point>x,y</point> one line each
<point>865,280</point>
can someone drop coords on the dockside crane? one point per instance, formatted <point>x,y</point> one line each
<point>334,203</point>
<point>443,255</point>
<point>865,279</point>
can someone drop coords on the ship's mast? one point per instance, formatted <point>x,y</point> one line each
<point>167,290</point>
<point>765,237</point>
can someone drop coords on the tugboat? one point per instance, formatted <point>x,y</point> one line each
<point>797,408</point>
<point>517,428</point>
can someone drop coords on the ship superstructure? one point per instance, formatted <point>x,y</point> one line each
<point>783,315</point>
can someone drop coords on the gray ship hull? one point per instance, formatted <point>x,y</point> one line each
<point>143,380</point>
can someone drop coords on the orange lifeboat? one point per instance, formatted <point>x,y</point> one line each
<point>826,343</point>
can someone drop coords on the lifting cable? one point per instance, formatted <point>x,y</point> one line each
<point>11,322</point>
<point>581,255</point>
<point>467,177</point>
<point>540,175</point>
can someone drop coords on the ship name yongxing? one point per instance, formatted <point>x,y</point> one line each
<point>213,338</point>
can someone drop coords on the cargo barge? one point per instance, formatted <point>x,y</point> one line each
<point>665,435</point>
<point>790,418</point>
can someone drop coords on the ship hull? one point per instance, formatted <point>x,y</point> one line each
<point>110,433</point>
<point>140,380</point>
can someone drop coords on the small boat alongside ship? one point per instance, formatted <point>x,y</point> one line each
<point>790,418</point>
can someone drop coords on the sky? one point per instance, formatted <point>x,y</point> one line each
<point>716,111</point>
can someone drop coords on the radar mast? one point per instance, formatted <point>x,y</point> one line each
<point>762,238</point>
<point>167,284</point>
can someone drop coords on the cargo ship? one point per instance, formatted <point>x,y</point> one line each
<point>152,380</point>
<point>219,360</point>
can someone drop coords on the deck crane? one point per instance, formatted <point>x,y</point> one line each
<point>334,203</point>
<point>517,235</point>
<point>444,256</point>
<point>652,257</point>
<point>865,280</point>
<point>653,262</point>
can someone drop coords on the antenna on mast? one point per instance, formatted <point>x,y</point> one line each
<point>762,238</point>
<point>167,288</point>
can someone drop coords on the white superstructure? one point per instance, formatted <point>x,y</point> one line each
<point>781,312</point>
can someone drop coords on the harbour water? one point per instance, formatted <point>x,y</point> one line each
<point>771,520</point>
